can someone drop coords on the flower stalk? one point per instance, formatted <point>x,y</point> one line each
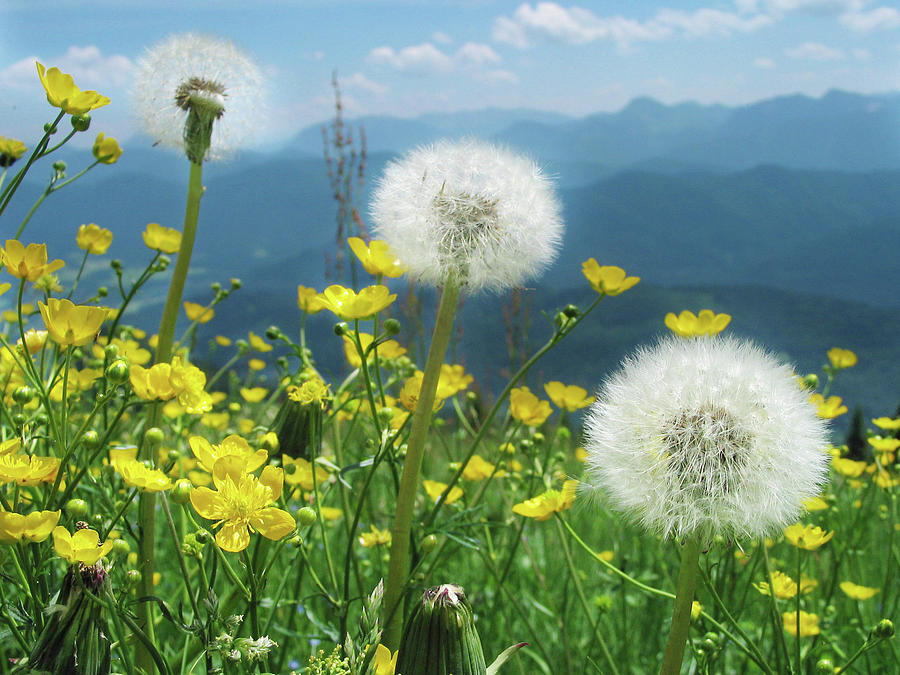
<point>398,569</point>
<point>681,613</point>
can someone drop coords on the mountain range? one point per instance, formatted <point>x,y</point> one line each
<point>784,213</point>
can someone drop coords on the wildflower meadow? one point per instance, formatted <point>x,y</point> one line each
<point>693,512</point>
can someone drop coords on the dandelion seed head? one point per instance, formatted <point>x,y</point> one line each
<point>187,71</point>
<point>705,437</point>
<point>470,212</point>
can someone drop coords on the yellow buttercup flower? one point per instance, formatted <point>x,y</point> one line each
<point>27,262</point>
<point>106,149</point>
<point>377,258</point>
<point>71,324</point>
<point>435,489</point>
<point>848,467</point>
<point>256,364</point>
<point>477,468</point>
<point>199,313</point>
<point>607,280</point>
<point>881,444</point>
<point>807,537</point>
<point>137,474</point>
<point>159,238</point>
<point>34,340</point>
<point>258,344</point>
<point>545,505</point>
<point>10,151</point>
<point>568,397</point>
<point>809,623</point>
<point>783,586</point>
<point>27,469</point>
<point>242,503</point>
<point>688,325</point>
<point>36,526</point>
<point>82,547</point>
<point>828,408</point>
<point>62,92</point>
<point>409,393</point>
<point>815,504</point>
<point>387,349</point>
<point>527,408</point>
<point>208,454</point>
<point>348,305</point>
<point>253,394</point>
<point>375,537</point>
<point>312,391</point>
<point>452,380</point>
<point>298,473</point>
<point>887,423</point>
<point>385,662</point>
<point>841,358</point>
<point>307,301</point>
<point>93,239</point>
<point>857,592</point>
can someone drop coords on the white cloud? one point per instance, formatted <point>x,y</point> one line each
<point>880,18</point>
<point>87,65</point>
<point>427,59</point>
<point>472,52</point>
<point>576,25</point>
<point>861,54</point>
<point>420,59</point>
<point>815,51</point>
<point>712,21</point>
<point>441,38</point>
<point>498,75</point>
<point>360,81</point>
<point>764,63</point>
<point>820,7</point>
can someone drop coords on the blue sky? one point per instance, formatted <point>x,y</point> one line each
<point>405,58</point>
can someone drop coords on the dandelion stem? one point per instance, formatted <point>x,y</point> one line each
<point>681,614</point>
<point>399,562</point>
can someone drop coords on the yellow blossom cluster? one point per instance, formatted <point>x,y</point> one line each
<point>179,380</point>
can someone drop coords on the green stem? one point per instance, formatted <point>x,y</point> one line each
<point>681,614</point>
<point>399,561</point>
<point>147,503</point>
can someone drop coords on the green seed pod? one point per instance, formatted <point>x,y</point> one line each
<point>440,637</point>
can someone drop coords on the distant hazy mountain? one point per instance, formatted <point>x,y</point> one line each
<point>840,130</point>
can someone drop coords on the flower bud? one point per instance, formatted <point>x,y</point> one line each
<point>181,493</point>
<point>235,284</point>
<point>81,122</point>
<point>118,371</point>
<point>121,547</point>
<point>59,166</point>
<point>341,329</point>
<point>23,395</point>
<point>306,516</point>
<point>154,436</point>
<point>76,508</point>
<point>274,333</point>
<point>111,352</point>
<point>883,630</point>
<point>90,439</point>
<point>50,128</point>
<point>811,381</point>
<point>102,292</point>
<point>133,577</point>
<point>440,637</point>
<point>391,326</point>
<point>824,667</point>
<point>571,311</point>
<point>428,544</point>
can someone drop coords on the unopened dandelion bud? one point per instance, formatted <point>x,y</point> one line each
<point>883,630</point>
<point>306,516</point>
<point>81,122</point>
<point>440,637</point>
<point>392,326</point>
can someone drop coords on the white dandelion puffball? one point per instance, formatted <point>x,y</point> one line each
<point>204,69</point>
<point>706,437</point>
<point>468,212</point>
